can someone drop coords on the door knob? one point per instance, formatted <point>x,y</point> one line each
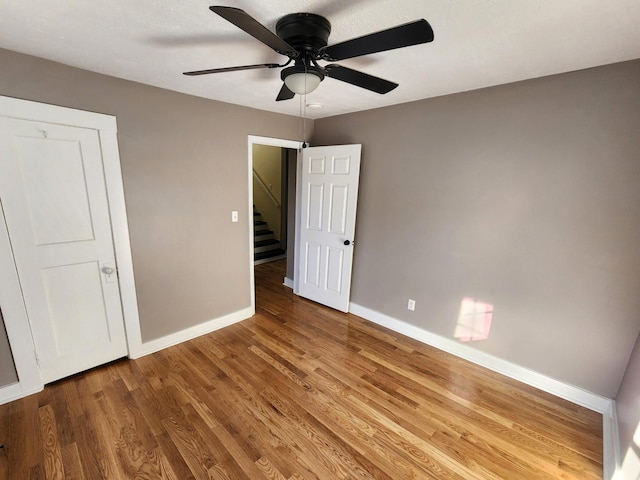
<point>347,242</point>
<point>109,274</point>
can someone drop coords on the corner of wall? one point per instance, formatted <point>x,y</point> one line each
<point>610,443</point>
<point>193,332</point>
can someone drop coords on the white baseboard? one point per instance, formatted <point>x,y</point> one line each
<point>270,259</point>
<point>193,332</point>
<point>288,283</point>
<point>574,394</point>
<point>610,442</point>
<point>15,391</point>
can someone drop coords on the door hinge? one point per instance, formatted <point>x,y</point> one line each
<point>35,354</point>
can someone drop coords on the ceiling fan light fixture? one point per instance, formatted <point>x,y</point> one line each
<point>302,83</point>
<point>302,80</point>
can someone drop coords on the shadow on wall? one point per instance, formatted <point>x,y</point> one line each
<point>8,373</point>
<point>630,469</point>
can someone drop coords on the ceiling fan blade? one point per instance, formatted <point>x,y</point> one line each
<point>405,35</point>
<point>285,94</point>
<point>359,79</point>
<point>244,21</point>
<point>232,69</point>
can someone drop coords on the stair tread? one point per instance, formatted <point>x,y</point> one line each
<point>259,233</point>
<point>269,254</point>
<point>264,243</point>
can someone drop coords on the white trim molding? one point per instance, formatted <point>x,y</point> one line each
<point>16,391</point>
<point>17,326</point>
<point>610,443</point>
<point>121,240</point>
<point>153,346</point>
<point>274,142</point>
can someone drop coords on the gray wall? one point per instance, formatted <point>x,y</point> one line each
<point>525,196</point>
<point>184,163</point>
<point>628,409</point>
<point>8,373</point>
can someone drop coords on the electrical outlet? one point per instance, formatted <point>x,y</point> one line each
<point>411,304</point>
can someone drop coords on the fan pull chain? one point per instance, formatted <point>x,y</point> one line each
<point>304,119</point>
<point>302,122</point>
<point>303,110</point>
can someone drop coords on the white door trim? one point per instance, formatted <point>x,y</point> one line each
<point>17,325</point>
<point>107,127</point>
<point>274,142</point>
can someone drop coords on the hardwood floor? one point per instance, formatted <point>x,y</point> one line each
<point>297,392</point>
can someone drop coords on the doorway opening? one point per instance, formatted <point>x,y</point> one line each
<point>273,171</point>
<point>273,202</point>
<point>324,211</point>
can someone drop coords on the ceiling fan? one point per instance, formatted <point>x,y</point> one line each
<point>303,38</point>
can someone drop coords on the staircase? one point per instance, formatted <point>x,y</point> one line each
<point>266,246</point>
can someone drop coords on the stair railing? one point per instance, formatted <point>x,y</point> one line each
<point>265,189</point>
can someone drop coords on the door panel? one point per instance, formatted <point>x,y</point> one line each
<point>329,183</point>
<point>312,264</point>
<point>338,209</point>
<point>73,294</point>
<point>54,188</point>
<point>54,197</point>
<point>335,264</point>
<point>314,208</point>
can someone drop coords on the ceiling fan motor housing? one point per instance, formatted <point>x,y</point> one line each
<point>306,32</point>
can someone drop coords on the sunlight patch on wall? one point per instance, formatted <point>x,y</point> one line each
<point>474,320</point>
<point>630,469</point>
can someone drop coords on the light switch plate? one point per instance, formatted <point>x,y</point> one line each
<point>234,216</point>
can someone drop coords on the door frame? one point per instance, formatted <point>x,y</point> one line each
<point>17,324</point>
<point>273,142</point>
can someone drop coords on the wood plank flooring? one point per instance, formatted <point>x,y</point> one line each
<point>297,392</point>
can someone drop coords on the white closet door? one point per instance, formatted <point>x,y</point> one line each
<point>54,199</point>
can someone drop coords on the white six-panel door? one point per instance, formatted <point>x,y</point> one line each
<point>54,199</point>
<point>329,182</point>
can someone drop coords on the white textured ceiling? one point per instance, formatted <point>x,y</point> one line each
<point>478,43</point>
